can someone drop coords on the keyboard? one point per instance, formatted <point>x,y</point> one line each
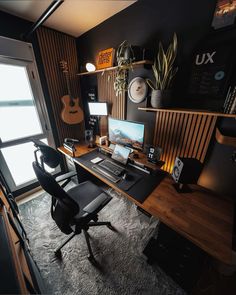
<point>111,167</point>
<point>105,173</point>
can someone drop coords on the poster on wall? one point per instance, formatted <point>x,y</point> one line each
<point>105,58</point>
<point>210,74</point>
<point>225,14</point>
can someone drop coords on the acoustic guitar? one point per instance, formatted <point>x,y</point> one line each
<point>71,112</point>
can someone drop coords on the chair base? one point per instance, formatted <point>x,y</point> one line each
<point>91,257</point>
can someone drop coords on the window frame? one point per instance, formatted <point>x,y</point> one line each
<point>21,53</point>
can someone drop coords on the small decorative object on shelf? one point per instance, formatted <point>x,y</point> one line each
<point>225,14</point>
<point>105,58</point>
<point>125,57</point>
<point>164,72</point>
<point>90,67</point>
<point>154,154</point>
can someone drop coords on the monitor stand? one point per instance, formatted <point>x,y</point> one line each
<point>131,150</point>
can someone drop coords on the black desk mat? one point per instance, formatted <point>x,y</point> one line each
<point>141,184</point>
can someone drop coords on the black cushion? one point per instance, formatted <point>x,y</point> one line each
<point>83,194</point>
<point>97,204</point>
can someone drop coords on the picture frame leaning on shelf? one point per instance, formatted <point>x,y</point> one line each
<point>224,15</point>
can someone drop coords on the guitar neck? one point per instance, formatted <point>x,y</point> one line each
<point>68,85</point>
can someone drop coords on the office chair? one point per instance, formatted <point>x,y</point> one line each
<point>76,210</point>
<point>52,158</point>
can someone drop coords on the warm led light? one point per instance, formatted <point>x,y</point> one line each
<point>90,67</point>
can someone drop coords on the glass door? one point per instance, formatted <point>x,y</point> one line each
<point>22,117</point>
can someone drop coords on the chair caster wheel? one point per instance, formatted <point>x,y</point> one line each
<point>111,227</point>
<point>58,254</point>
<point>92,260</point>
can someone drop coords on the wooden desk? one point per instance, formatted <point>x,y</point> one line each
<point>201,216</point>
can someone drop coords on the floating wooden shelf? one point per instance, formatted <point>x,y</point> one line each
<point>227,140</point>
<point>135,64</point>
<point>190,111</point>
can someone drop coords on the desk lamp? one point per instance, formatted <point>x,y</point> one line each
<point>97,109</point>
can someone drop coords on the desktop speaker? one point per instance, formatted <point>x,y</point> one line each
<point>88,134</point>
<point>186,170</point>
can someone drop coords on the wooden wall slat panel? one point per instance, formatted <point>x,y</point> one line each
<point>199,137</point>
<point>183,135</point>
<point>106,93</point>
<point>211,129</point>
<point>54,47</point>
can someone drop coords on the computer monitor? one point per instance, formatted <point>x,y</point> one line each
<point>126,133</point>
<point>98,108</point>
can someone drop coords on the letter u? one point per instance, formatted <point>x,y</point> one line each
<point>197,62</point>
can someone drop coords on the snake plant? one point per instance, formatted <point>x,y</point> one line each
<point>163,67</point>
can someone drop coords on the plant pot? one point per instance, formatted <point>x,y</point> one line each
<point>160,98</point>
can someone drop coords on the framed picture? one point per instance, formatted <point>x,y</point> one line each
<point>212,65</point>
<point>225,14</point>
<point>105,58</point>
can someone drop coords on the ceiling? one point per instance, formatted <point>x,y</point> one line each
<point>73,17</point>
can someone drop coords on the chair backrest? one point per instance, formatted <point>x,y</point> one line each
<point>50,156</point>
<point>64,207</point>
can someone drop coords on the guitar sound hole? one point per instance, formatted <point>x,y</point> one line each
<point>72,104</point>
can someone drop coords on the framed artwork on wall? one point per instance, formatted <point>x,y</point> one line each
<point>211,70</point>
<point>225,14</point>
<point>105,58</point>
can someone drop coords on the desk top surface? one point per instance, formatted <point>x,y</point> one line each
<point>201,216</point>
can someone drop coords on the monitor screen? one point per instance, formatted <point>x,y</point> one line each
<point>127,133</point>
<point>98,108</point>
<point>120,154</point>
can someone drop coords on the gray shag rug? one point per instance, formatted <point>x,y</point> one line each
<point>124,269</point>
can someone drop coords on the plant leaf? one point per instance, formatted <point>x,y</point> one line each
<point>150,84</point>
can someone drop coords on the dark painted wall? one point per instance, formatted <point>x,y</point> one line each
<point>145,23</point>
<point>12,26</point>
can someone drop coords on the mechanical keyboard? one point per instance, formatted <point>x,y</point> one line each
<point>112,167</point>
<point>105,173</point>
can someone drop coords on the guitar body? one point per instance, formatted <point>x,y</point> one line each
<point>71,112</point>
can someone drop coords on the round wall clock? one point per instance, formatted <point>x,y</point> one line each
<point>137,90</point>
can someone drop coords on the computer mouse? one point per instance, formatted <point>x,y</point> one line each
<point>127,176</point>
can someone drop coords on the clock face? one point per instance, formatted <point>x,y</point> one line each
<point>137,90</point>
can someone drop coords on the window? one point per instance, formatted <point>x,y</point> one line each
<point>23,113</point>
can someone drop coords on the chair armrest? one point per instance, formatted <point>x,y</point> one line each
<point>98,203</point>
<point>66,176</point>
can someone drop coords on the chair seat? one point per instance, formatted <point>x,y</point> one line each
<point>86,193</point>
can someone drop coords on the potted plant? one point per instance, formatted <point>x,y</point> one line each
<point>124,57</point>
<point>164,71</point>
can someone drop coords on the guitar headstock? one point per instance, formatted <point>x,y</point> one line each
<point>64,66</point>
